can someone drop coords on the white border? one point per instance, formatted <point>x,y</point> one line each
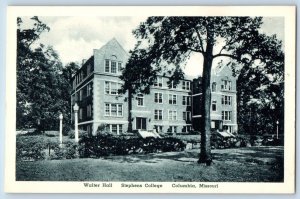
<point>77,187</point>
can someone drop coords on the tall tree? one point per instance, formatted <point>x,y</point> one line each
<point>137,79</point>
<point>43,83</point>
<point>173,39</point>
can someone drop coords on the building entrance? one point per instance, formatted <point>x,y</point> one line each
<point>141,123</point>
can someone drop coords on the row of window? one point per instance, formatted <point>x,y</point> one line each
<point>84,92</point>
<point>172,115</point>
<point>172,129</point>
<point>226,85</point>
<point>81,75</point>
<point>158,98</point>
<point>186,85</point>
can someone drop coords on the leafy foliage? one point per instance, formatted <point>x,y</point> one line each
<point>43,84</point>
<point>107,144</point>
<point>172,40</point>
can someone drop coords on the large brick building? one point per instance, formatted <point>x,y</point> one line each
<point>95,89</point>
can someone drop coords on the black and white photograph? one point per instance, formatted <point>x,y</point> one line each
<point>185,101</point>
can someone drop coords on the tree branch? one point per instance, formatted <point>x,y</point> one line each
<point>194,50</point>
<point>226,55</point>
<point>230,42</point>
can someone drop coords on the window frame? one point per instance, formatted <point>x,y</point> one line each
<point>140,98</point>
<point>157,82</point>
<point>158,114</point>
<point>173,100</point>
<point>159,98</point>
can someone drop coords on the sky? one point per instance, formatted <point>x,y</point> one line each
<point>74,38</point>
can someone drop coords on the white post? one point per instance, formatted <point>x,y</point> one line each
<point>277,128</point>
<point>76,108</point>
<point>60,128</point>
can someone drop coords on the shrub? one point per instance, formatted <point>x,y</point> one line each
<point>107,144</point>
<point>31,148</point>
<point>67,151</point>
<point>81,133</point>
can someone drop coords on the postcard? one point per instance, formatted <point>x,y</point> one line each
<point>150,99</point>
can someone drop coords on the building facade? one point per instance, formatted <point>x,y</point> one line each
<point>168,108</point>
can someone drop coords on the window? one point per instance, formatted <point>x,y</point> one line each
<point>172,99</point>
<point>186,100</point>
<point>120,110</point>
<point>107,109</point>
<point>89,129</point>
<point>140,100</point>
<point>158,98</point>
<point>80,95</point>
<point>80,113</point>
<point>172,129</point>
<point>226,100</point>
<point>186,115</point>
<point>107,66</point>
<point>88,89</point>
<point>186,129</point>
<point>158,114</point>
<point>226,115</point>
<point>213,124</point>
<point>112,88</point>
<point>158,82</point>
<point>214,105</point>
<point>185,85</point>
<point>228,128</point>
<point>172,115</point>
<point>113,67</point>
<point>119,66</point>
<point>115,128</point>
<point>172,85</point>
<point>214,87</point>
<point>88,69</point>
<point>89,110</point>
<point>158,128</point>
<point>226,85</point>
<point>74,83</point>
<point>115,110</point>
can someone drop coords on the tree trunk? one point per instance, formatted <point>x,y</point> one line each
<point>129,111</point>
<point>205,149</point>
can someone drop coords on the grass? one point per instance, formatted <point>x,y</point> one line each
<point>255,164</point>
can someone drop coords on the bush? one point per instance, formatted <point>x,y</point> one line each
<point>31,148</point>
<point>67,151</point>
<point>81,133</point>
<point>107,144</point>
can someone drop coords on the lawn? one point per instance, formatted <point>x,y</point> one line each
<point>253,164</point>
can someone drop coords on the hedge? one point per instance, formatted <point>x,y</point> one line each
<point>106,144</point>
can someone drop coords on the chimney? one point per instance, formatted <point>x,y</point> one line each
<point>83,61</point>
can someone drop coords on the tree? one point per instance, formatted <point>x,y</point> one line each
<point>43,84</point>
<point>137,79</point>
<point>173,39</point>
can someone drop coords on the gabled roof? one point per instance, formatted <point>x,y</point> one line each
<point>111,48</point>
<point>111,45</point>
